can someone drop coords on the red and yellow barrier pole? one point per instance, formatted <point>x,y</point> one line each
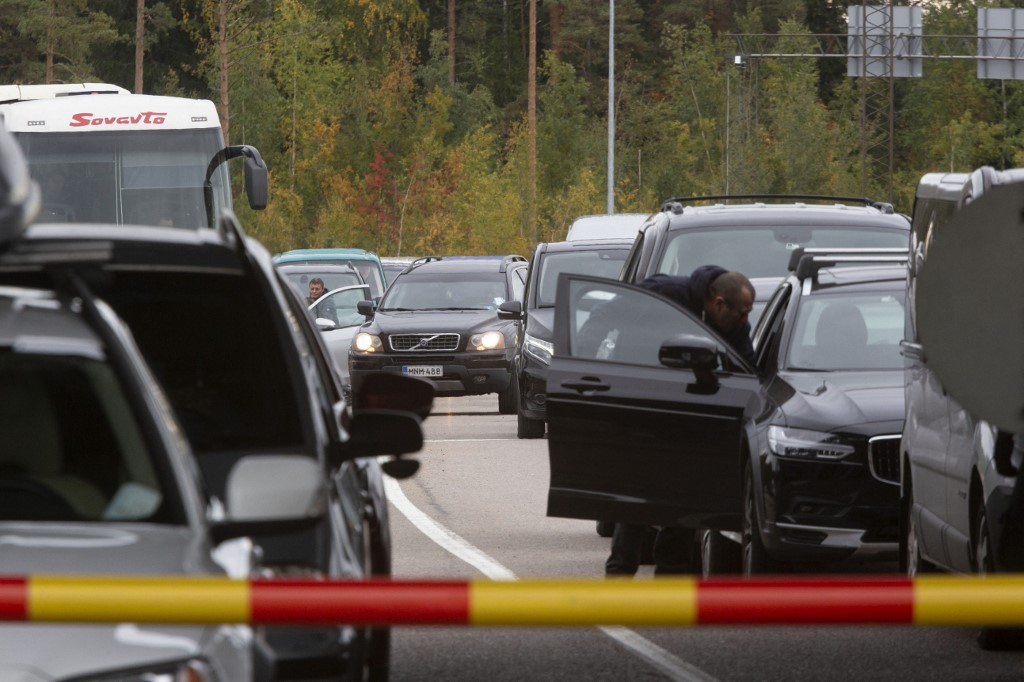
<point>939,600</point>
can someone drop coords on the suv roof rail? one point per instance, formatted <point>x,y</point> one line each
<point>806,262</point>
<point>425,259</point>
<point>676,204</point>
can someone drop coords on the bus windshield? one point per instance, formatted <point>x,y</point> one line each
<point>139,177</point>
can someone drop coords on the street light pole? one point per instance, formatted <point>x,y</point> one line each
<point>611,106</point>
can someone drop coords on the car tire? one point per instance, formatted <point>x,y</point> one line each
<point>719,555</point>
<point>530,428</point>
<point>508,400</point>
<point>911,559</point>
<point>754,557</point>
<point>991,639</point>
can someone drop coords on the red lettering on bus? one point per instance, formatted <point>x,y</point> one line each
<point>147,117</point>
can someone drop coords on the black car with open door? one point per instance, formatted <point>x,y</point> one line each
<point>648,410</point>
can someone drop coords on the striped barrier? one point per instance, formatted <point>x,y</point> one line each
<point>939,600</point>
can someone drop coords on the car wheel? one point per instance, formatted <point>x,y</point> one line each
<point>911,558</point>
<point>605,528</point>
<point>529,428</point>
<point>991,639</point>
<point>508,400</point>
<point>719,555</point>
<point>984,561</point>
<point>754,556</point>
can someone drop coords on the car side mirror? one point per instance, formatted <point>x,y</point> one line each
<point>696,353</point>
<point>384,432</point>
<point>387,432</point>
<point>510,310</point>
<point>395,392</point>
<point>272,494</point>
<point>366,308</point>
<point>325,325</point>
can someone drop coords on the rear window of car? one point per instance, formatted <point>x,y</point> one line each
<point>331,281</point>
<point>605,263</point>
<point>72,446</point>
<point>763,251</point>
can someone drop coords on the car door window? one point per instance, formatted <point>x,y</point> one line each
<point>619,323</point>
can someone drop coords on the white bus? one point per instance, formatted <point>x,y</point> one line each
<point>103,155</point>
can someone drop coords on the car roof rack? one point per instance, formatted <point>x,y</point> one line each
<point>676,204</point>
<point>806,262</point>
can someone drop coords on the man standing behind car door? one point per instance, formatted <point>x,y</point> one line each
<point>723,300</point>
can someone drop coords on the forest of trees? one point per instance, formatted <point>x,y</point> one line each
<point>401,125</point>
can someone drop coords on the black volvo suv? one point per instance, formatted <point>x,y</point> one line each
<point>439,321</point>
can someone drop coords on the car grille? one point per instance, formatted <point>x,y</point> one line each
<point>424,342</point>
<point>884,458</point>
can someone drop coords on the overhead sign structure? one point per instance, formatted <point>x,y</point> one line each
<point>1001,43</point>
<point>970,308</point>
<point>884,41</point>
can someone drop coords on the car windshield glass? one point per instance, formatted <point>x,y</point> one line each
<point>848,331</point>
<point>599,263</point>
<point>333,280</point>
<point>446,291</point>
<point>139,177</point>
<point>72,447</point>
<point>763,251</point>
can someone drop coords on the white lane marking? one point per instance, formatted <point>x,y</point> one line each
<point>673,667</point>
<point>447,539</point>
<point>463,440</point>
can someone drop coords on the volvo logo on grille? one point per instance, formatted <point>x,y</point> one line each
<point>424,341</point>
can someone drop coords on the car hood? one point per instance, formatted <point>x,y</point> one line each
<point>541,323</point>
<point>852,401</point>
<point>429,322</point>
<point>43,651</point>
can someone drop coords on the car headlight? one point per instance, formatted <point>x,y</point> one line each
<point>486,341</point>
<point>193,670</point>
<point>366,343</point>
<point>804,444</point>
<point>538,349</point>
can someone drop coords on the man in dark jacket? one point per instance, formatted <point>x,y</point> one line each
<point>723,300</point>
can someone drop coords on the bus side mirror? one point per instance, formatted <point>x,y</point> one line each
<point>257,187</point>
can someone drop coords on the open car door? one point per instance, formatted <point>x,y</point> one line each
<point>646,410</point>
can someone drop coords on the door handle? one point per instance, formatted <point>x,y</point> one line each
<point>586,385</point>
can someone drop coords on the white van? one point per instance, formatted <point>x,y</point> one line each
<point>606,226</point>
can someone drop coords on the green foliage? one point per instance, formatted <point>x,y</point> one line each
<point>370,145</point>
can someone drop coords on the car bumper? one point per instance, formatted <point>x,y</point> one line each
<point>462,374</point>
<point>533,390</point>
<point>830,511</point>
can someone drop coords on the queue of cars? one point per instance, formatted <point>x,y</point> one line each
<point>241,430</point>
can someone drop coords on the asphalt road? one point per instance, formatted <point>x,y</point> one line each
<point>481,493</point>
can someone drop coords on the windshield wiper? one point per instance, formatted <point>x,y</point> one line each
<point>456,308</point>
<point>400,310</point>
